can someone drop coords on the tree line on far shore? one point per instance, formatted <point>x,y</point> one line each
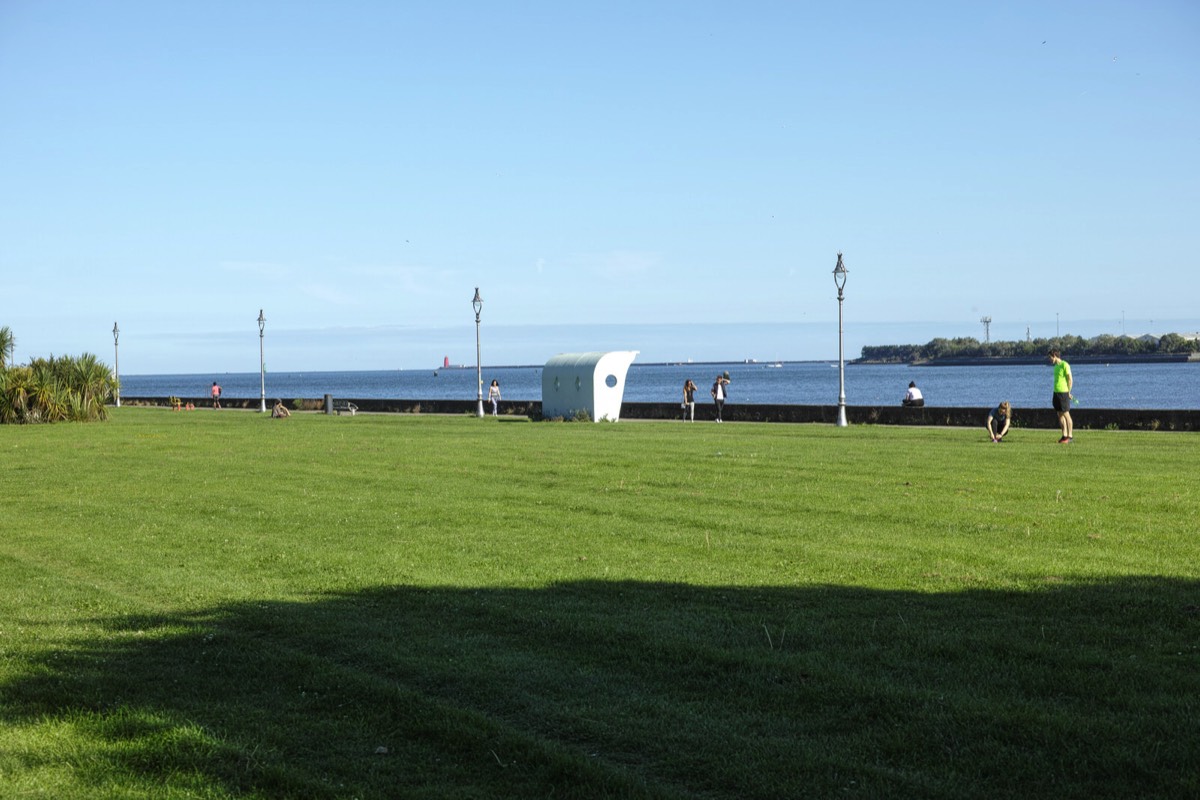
<point>54,389</point>
<point>970,347</point>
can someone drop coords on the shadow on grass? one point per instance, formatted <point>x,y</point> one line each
<point>597,689</point>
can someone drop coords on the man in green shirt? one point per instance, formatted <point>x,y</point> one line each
<point>1063,383</point>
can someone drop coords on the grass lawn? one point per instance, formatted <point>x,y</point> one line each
<point>221,605</point>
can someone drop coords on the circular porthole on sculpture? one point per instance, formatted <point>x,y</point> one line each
<point>611,381</point>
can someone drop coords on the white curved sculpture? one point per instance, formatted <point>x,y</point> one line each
<point>591,382</point>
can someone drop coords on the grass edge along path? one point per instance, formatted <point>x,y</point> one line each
<point>223,605</point>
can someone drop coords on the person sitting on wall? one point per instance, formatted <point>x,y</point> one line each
<point>279,411</point>
<point>913,396</point>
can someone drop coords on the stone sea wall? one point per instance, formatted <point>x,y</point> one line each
<point>1084,418</point>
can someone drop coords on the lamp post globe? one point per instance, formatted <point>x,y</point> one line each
<point>477,304</point>
<point>262,364</point>
<point>839,280</point>
<point>117,363</point>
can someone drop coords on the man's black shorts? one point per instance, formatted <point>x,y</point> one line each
<point>1062,402</point>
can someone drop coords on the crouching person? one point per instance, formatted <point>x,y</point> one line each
<point>998,420</point>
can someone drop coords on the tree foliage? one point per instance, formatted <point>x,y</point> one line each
<point>969,347</point>
<point>62,389</point>
<point>7,343</point>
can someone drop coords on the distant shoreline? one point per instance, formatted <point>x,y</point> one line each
<point>725,363</point>
<point>997,361</point>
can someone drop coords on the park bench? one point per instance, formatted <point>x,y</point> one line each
<point>344,405</point>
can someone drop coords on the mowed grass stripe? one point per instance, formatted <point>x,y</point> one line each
<point>222,605</point>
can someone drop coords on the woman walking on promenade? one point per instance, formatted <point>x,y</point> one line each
<point>719,394</point>
<point>494,396</point>
<point>689,401</point>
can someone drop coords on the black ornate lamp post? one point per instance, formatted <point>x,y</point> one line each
<point>117,362</point>
<point>262,364</point>
<point>477,304</point>
<point>839,280</point>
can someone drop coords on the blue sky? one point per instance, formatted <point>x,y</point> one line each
<point>672,177</point>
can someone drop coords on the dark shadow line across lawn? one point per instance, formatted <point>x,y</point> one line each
<point>598,689</point>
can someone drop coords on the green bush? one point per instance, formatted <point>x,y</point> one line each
<point>62,389</point>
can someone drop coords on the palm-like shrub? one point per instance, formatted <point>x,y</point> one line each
<point>63,389</point>
<point>14,394</point>
<point>7,344</point>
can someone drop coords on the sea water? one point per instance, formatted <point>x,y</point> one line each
<point>1154,386</point>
